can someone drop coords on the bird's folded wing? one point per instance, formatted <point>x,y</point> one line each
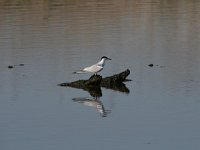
<point>93,68</point>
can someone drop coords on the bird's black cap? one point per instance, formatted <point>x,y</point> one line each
<point>105,57</point>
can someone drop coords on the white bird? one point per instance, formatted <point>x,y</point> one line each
<point>94,68</point>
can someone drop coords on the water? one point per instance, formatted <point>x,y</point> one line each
<point>54,38</point>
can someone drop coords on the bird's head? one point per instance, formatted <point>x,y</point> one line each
<point>105,58</point>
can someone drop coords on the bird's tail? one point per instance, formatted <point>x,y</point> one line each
<point>79,72</point>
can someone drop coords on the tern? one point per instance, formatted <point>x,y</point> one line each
<point>94,68</point>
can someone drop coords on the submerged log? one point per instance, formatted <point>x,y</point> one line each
<point>115,82</point>
<point>93,84</point>
<point>93,81</point>
<point>115,79</point>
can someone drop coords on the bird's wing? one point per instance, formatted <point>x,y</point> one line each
<point>93,68</point>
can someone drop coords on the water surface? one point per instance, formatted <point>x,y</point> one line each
<point>54,38</point>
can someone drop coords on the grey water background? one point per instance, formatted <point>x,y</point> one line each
<point>54,38</point>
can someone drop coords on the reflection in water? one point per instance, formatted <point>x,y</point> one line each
<point>119,87</point>
<point>94,91</point>
<point>93,86</point>
<point>93,102</point>
<point>97,92</point>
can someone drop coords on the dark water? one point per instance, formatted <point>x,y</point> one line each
<point>51,39</point>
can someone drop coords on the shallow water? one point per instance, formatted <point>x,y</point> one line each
<point>54,38</point>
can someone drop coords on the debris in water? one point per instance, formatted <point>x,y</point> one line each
<point>10,67</point>
<point>13,66</point>
<point>150,65</point>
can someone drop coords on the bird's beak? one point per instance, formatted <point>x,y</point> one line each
<point>109,59</point>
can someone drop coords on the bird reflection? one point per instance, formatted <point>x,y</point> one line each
<point>93,102</point>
